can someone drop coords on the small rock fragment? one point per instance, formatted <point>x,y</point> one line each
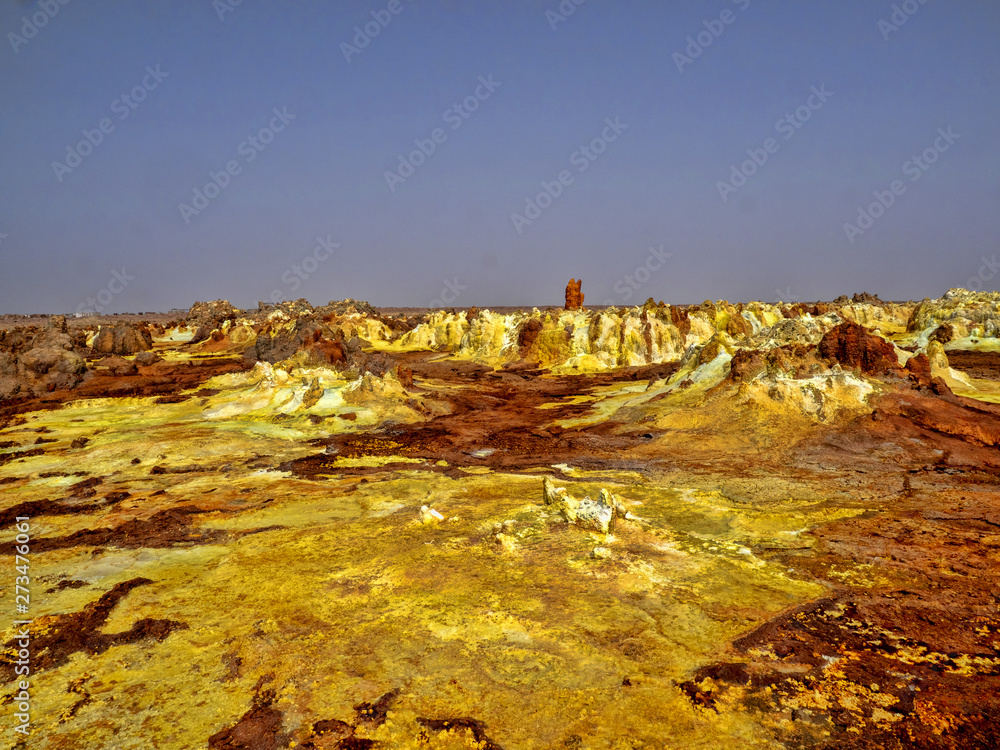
<point>598,515</point>
<point>429,515</point>
<point>552,494</point>
<point>506,542</point>
<point>595,515</point>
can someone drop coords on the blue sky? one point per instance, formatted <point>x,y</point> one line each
<point>446,233</point>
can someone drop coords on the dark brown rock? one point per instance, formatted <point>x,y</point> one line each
<point>856,347</point>
<point>919,368</point>
<point>258,729</point>
<point>67,634</point>
<point>746,365</point>
<point>680,319</point>
<point>528,334</point>
<point>943,333</point>
<point>574,297</point>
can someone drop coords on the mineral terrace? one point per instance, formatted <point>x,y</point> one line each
<point>712,526</point>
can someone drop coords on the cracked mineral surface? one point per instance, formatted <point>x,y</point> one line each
<point>712,526</point>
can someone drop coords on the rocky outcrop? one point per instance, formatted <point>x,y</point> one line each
<point>37,361</point>
<point>348,307</point>
<point>123,340</point>
<point>866,298</point>
<point>291,308</point>
<point>919,367</point>
<point>574,297</point>
<point>794,361</point>
<point>853,346</point>
<point>959,314</point>
<point>308,342</point>
<point>47,369</point>
<point>943,333</point>
<point>862,298</point>
<point>214,311</point>
<point>147,358</point>
<point>680,319</point>
<point>206,317</point>
<point>117,366</point>
<point>595,515</point>
<point>528,334</point>
<point>316,342</point>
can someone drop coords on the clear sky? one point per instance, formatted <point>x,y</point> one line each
<point>737,138</point>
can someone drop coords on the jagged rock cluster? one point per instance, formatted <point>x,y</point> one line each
<point>33,361</point>
<point>597,515</point>
<point>39,360</point>
<point>772,345</point>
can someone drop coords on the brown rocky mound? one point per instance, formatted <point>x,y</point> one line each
<point>943,333</point>
<point>208,312</point>
<point>118,366</point>
<point>862,298</point>
<point>259,728</point>
<point>124,339</point>
<point>209,316</point>
<point>34,361</point>
<point>319,344</point>
<point>856,347</point>
<point>794,360</point>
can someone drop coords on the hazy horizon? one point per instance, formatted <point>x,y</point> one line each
<point>462,153</point>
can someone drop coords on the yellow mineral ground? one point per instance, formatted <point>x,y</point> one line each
<point>647,527</point>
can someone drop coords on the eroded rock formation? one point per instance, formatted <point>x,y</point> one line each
<point>574,297</point>
<point>854,346</point>
<point>123,339</point>
<point>35,361</point>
